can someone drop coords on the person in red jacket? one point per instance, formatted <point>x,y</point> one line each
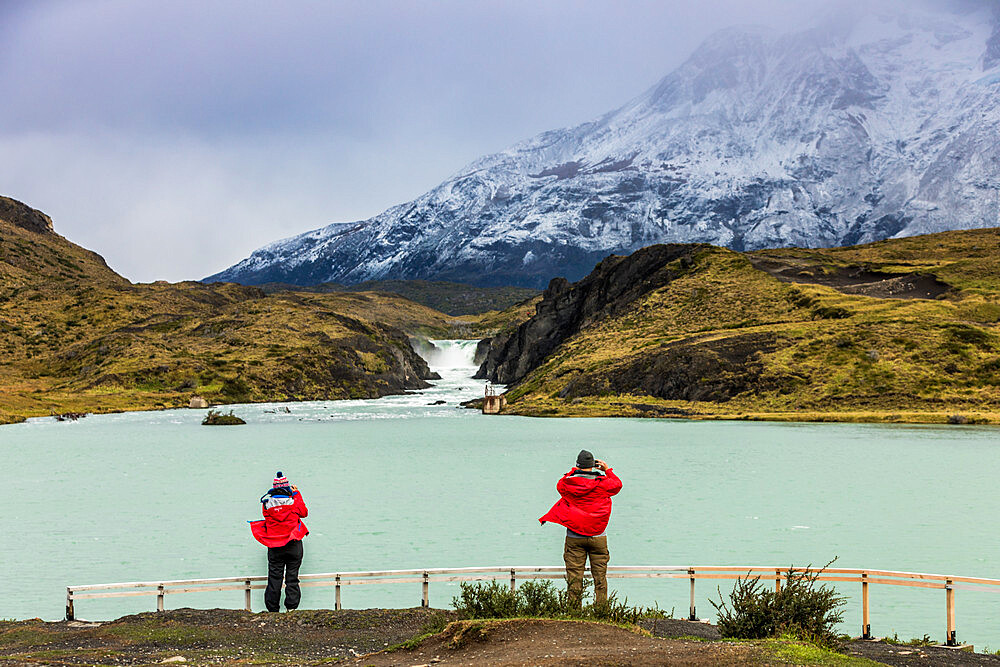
<point>281,531</point>
<point>585,509</point>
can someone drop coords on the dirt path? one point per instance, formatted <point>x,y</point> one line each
<point>564,643</point>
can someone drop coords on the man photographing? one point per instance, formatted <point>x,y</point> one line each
<point>584,508</point>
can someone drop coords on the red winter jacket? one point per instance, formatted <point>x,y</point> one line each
<point>585,506</point>
<point>282,520</point>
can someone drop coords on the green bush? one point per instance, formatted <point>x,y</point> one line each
<point>541,599</point>
<point>488,600</point>
<point>801,609</point>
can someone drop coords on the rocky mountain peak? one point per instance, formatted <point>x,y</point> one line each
<point>24,216</point>
<point>875,125</point>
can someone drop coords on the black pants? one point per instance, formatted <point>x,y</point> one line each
<point>283,563</point>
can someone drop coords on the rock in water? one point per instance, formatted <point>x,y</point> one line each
<point>216,418</point>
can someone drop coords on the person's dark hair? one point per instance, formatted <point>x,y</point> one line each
<point>276,491</point>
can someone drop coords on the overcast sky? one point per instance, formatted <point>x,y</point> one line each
<point>175,137</point>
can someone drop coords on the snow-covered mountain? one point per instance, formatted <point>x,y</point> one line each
<point>867,127</point>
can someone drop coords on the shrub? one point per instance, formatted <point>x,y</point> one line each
<point>801,609</point>
<point>541,599</point>
<point>487,600</point>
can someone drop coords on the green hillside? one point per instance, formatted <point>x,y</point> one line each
<point>903,330</point>
<point>77,337</point>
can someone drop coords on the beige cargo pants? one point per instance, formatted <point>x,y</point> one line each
<point>575,553</point>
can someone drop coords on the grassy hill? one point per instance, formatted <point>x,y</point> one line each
<point>903,330</point>
<point>449,298</point>
<point>77,337</point>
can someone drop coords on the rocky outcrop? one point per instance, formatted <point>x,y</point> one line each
<point>24,216</point>
<point>566,309</point>
<point>29,243</point>
<point>714,369</point>
<point>482,351</point>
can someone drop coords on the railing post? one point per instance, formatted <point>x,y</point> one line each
<point>866,628</point>
<point>70,614</point>
<point>513,580</point>
<point>692,616</point>
<point>336,602</point>
<point>425,600</point>
<point>159,598</point>
<point>949,592</point>
<point>777,581</point>
<point>246,595</point>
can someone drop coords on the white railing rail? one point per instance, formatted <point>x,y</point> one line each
<point>513,574</point>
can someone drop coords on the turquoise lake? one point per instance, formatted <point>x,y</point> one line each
<point>398,483</point>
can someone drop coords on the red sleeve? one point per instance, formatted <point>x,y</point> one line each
<point>611,483</point>
<point>299,505</point>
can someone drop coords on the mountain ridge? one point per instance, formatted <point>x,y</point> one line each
<point>870,127</point>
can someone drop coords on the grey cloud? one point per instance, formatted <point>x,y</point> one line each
<point>175,137</point>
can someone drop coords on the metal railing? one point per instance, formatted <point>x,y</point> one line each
<point>513,574</point>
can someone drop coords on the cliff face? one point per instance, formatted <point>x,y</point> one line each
<point>566,308</point>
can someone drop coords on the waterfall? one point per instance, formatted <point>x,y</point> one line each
<point>446,354</point>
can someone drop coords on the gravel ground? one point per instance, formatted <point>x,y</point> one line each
<point>904,655</point>
<point>223,636</point>
<point>879,651</point>
<point>215,636</point>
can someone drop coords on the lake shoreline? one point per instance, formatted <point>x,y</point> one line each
<point>645,411</point>
<point>626,406</point>
<point>7,419</point>
<point>640,407</point>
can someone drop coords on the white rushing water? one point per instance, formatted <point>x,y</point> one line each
<point>453,360</point>
<point>452,356</point>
